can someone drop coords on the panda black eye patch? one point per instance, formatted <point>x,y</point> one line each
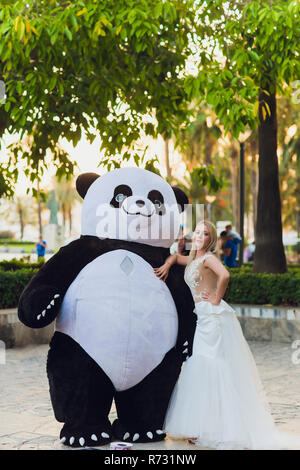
<point>158,200</point>
<point>120,193</point>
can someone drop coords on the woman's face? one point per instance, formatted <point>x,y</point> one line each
<point>201,237</point>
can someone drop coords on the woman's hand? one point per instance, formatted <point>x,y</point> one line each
<point>210,297</point>
<point>163,271</point>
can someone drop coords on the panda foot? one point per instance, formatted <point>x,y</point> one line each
<point>85,436</point>
<point>130,434</point>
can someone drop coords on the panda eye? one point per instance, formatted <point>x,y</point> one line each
<point>157,199</point>
<point>121,192</point>
<point>119,197</point>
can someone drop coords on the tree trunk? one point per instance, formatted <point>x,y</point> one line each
<point>254,191</point>
<point>253,150</point>
<point>21,218</point>
<point>269,254</point>
<point>194,214</point>
<point>39,209</point>
<point>63,208</point>
<point>167,157</point>
<point>235,188</point>
<point>248,224</point>
<point>208,145</point>
<point>70,220</point>
<point>298,223</point>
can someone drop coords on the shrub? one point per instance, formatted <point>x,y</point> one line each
<point>253,288</point>
<point>244,286</point>
<point>11,242</point>
<point>12,283</point>
<point>6,234</point>
<point>15,265</point>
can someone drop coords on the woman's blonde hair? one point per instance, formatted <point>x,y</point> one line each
<point>212,247</point>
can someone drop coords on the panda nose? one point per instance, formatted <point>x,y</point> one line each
<point>140,203</point>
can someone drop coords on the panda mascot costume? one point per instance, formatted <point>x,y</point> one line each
<point>121,333</point>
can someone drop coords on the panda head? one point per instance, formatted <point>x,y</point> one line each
<point>131,204</point>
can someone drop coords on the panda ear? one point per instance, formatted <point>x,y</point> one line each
<point>84,181</point>
<point>181,197</point>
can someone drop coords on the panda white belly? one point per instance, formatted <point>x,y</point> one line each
<point>122,315</point>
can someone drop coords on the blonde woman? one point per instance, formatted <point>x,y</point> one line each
<point>218,401</point>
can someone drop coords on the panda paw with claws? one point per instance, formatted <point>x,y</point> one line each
<point>126,434</point>
<point>85,436</point>
<point>185,351</point>
<point>49,307</point>
<point>40,307</point>
<point>146,436</point>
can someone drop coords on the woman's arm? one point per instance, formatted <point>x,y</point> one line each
<point>163,271</point>
<point>217,267</point>
<point>182,259</point>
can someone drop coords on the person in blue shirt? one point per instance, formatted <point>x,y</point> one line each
<point>230,249</point>
<point>41,248</point>
<point>230,233</point>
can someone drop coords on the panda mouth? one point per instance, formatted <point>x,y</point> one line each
<point>138,213</point>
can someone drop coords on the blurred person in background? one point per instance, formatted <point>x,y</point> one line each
<point>229,248</point>
<point>250,251</point>
<point>41,248</point>
<point>234,235</point>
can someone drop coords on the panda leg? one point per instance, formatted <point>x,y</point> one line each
<point>142,408</point>
<point>81,393</point>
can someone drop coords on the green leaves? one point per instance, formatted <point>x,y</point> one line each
<point>158,10</point>
<point>258,42</point>
<point>150,129</point>
<point>102,66</point>
<point>19,28</point>
<point>68,33</point>
<point>81,12</point>
<point>205,176</point>
<point>96,68</point>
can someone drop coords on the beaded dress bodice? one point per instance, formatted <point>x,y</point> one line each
<point>199,277</point>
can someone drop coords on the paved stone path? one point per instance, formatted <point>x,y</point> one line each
<point>27,421</point>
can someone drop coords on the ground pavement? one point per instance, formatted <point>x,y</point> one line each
<point>27,421</point>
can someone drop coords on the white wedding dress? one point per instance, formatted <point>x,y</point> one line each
<point>219,398</point>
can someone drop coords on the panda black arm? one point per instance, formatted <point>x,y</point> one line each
<point>185,305</point>
<point>40,301</point>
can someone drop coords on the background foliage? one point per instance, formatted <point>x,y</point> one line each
<point>244,286</point>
